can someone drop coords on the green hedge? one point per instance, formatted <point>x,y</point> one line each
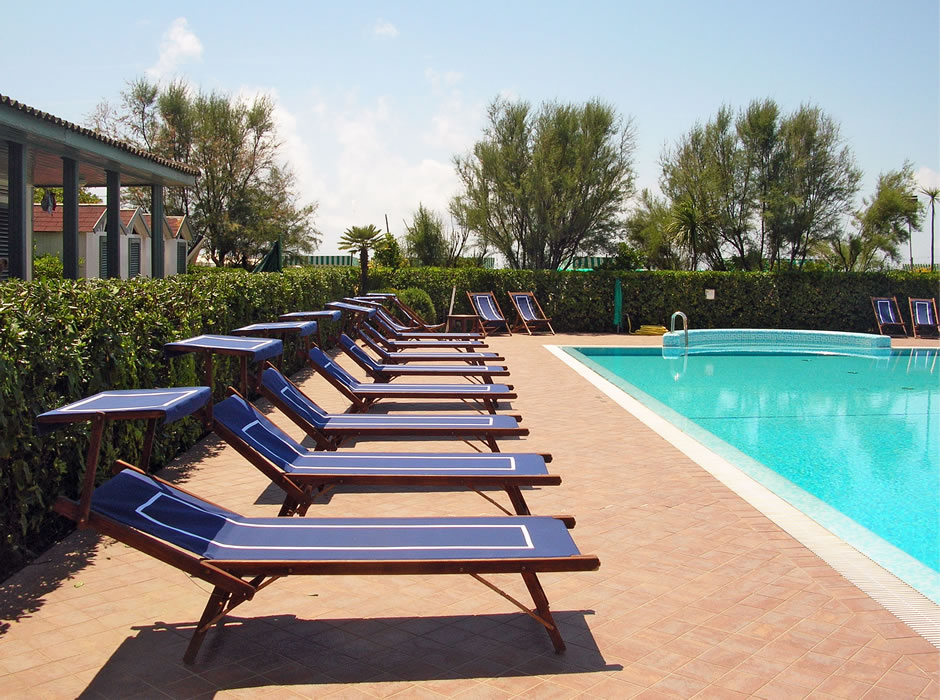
<point>583,302</point>
<point>62,340</point>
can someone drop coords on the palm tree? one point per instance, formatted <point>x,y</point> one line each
<point>362,239</point>
<point>931,193</point>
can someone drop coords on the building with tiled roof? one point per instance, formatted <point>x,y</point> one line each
<point>38,149</point>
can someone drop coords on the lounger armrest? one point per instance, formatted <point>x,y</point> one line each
<point>568,520</point>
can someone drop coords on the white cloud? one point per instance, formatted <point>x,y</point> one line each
<point>383,28</point>
<point>926,177</point>
<point>178,45</point>
<point>448,79</point>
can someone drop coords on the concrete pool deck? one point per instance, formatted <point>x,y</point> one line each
<point>698,594</point>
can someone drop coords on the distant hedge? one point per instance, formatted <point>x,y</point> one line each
<point>583,302</point>
<point>62,340</point>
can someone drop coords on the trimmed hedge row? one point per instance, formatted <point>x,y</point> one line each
<point>582,302</point>
<point>62,340</point>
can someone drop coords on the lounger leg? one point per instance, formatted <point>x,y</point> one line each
<point>518,502</point>
<point>541,605</point>
<point>214,608</point>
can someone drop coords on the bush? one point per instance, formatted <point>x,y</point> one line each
<point>47,267</point>
<point>420,301</point>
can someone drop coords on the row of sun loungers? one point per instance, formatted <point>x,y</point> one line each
<point>239,555</point>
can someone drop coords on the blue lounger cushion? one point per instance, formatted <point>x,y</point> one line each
<point>219,534</point>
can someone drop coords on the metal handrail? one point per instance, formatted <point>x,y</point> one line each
<point>685,325</point>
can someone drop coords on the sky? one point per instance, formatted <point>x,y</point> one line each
<point>374,99</point>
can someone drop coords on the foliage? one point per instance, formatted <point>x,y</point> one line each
<point>648,234</point>
<point>389,253</point>
<point>424,239</point>
<point>61,340</point>
<point>626,258</point>
<point>542,187</point>
<point>84,196</point>
<point>420,301</point>
<point>758,189</point>
<point>244,199</point>
<point>47,267</point>
<point>882,225</point>
<point>360,240</point>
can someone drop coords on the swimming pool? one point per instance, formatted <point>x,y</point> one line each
<point>847,436</point>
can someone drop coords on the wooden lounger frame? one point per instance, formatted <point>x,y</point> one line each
<point>236,581</point>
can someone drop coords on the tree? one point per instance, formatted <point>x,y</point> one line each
<point>768,186</point>
<point>647,232</point>
<point>389,253</point>
<point>244,198</point>
<point>881,226</point>
<point>931,193</point>
<point>84,196</point>
<point>360,240</point>
<point>543,187</point>
<point>424,238</point>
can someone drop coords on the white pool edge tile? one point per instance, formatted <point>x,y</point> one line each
<point>909,605</point>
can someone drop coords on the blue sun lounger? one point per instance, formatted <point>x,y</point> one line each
<point>364,395</point>
<point>303,473</point>
<point>239,555</point>
<point>405,357</point>
<point>413,316</point>
<point>386,373</point>
<point>329,430</point>
<point>487,308</point>
<point>395,345</point>
<point>385,321</point>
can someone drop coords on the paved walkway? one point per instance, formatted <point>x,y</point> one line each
<point>698,594</point>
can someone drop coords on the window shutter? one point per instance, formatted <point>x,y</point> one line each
<point>181,257</point>
<point>133,257</point>
<point>103,257</point>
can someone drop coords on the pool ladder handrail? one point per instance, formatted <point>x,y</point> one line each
<point>685,325</point>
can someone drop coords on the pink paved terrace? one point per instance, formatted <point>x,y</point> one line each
<point>698,594</point>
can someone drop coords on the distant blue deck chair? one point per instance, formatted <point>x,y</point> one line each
<point>924,323</point>
<point>302,473</point>
<point>491,316</point>
<point>239,555</point>
<point>529,314</point>
<point>329,430</point>
<point>394,344</point>
<point>888,317</point>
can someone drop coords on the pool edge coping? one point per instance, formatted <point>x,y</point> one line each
<point>908,604</point>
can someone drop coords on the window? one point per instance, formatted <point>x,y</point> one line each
<point>133,257</point>
<point>181,257</point>
<point>4,217</point>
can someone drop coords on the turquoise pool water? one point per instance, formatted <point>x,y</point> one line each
<point>859,433</point>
